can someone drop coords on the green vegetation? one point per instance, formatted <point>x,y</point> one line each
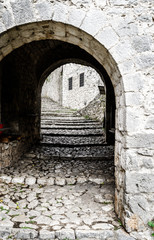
<point>86,117</point>
<point>151,224</point>
<point>31,222</point>
<point>27,228</point>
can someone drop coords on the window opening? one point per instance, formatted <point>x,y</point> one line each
<point>81,79</point>
<point>70,83</point>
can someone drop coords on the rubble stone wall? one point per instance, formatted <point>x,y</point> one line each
<point>119,35</point>
<point>10,152</point>
<point>95,109</point>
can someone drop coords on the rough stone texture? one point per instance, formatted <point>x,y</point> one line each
<point>95,109</point>
<point>126,56</point>
<point>10,152</point>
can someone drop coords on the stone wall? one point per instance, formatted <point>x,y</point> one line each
<point>117,38</point>
<point>95,109</point>
<point>10,152</point>
<point>79,97</point>
<point>52,87</point>
<point>56,86</point>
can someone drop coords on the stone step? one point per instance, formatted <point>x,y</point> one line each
<point>75,140</point>
<point>105,231</point>
<point>58,110</point>
<point>63,127</point>
<point>85,151</point>
<point>72,135</point>
<point>71,118</point>
<point>71,123</point>
<point>58,114</point>
<point>72,131</point>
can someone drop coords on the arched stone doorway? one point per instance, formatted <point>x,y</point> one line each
<point>95,54</point>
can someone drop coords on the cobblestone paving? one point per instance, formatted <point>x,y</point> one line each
<point>49,197</point>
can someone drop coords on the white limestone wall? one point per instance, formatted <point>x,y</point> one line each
<point>52,86</point>
<point>119,35</point>
<point>56,86</point>
<point>79,97</point>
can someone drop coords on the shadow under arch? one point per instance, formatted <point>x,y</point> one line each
<point>39,58</point>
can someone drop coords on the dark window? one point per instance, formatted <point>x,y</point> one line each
<point>81,79</point>
<point>70,85</point>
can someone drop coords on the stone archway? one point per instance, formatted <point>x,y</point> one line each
<point>55,53</point>
<point>131,181</point>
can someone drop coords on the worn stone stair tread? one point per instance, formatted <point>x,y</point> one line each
<point>71,123</point>
<point>63,120</point>
<point>70,132</point>
<point>72,135</point>
<point>81,152</point>
<point>71,127</point>
<point>75,140</point>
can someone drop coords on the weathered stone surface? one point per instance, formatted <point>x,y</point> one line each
<point>4,232</point>
<point>26,234</point>
<point>139,182</point>
<point>65,234</point>
<point>96,234</point>
<point>134,28</point>
<point>33,204</point>
<point>45,234</point>
<point>22,11</point>
<point>18,180</point>
<point>121,235</point>
<point>30,180</point>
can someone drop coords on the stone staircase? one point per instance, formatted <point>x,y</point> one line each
<point>64,187</point>
<point>70,135</point>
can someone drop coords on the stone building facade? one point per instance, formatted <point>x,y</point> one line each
<point>116,38</point>
<point>72,85</point>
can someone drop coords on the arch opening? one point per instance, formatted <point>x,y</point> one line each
<point>21,101</point>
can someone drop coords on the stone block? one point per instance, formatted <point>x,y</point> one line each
<point>141,43</point>
<point>108,37</point>
<point>122,51</point>
<point>5,178</point>
<point>140,206</point>
<point>94,22</point>
<point>19,180</point>
<point>26,234</point>
<point>122,235</point>
<point>76,16</point>
<point>8,18</point>
<point>145,60</point>
<point>30,180</point>
<point>4,232</point>
<point>134,99</point>
<point>60,12</point>
<point>149,123</point>
<point>44,9</point>
<point>65,234</point>
<point>139,182</point>
<point>133,82</point>
<point>96,234</point>
<point>103,226</point>
<point>133,120</point>
<point>140,140</point>
<point>22,11</point>
<point>45,234</point>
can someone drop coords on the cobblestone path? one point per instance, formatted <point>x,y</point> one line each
<point>63,188</point>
